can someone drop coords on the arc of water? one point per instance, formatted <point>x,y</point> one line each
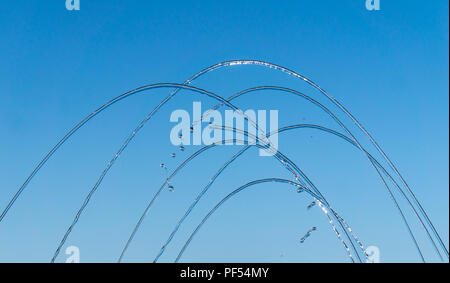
<point>97,184</point>
<point>356,144</point>
<point>284,161</point>
<point>342,125</point>
<point>92,191</point>
<point>233,193</point>
<point>223,101</point>
<point>375,162</point>
<point>322,208</point>
<point>211,68</point>
<point>347,113</point>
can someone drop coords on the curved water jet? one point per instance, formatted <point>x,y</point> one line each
<point>238,190</point>
<point>177,88</point>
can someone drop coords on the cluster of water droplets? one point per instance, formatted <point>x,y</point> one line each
<point>354,236</point>
<point>173,155</point>
<point>166,176</point>
<point>325,211</point>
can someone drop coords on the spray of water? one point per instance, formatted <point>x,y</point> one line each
<point>284,160</point>
<point>409,195</point>
<point>347,227</point>
<point>354,142</point>
<point>97,184</point>
<point>233,193</point>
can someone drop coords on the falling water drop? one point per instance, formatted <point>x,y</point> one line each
<point>302,240</point>
<point>311,205</point>
<point>181,148</point>
<point>173,155</point>
<point>165,172</point>
<point>171,188</point>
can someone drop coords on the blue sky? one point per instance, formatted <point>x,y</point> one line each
<point>388,67</point>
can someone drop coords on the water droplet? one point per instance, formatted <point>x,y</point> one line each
<point>311,205</point>
<point>302,240</point>
<point>162,165</point>
<point>181,148</point>
<point>171,188</point>
<point>192,129</point>
<point>173,155</point>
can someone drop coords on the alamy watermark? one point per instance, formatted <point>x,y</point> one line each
<point>191,132</point>
<point>74,254</point>
<point>373,254</point>
<point>372,5</point>
<point>73,5</point>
